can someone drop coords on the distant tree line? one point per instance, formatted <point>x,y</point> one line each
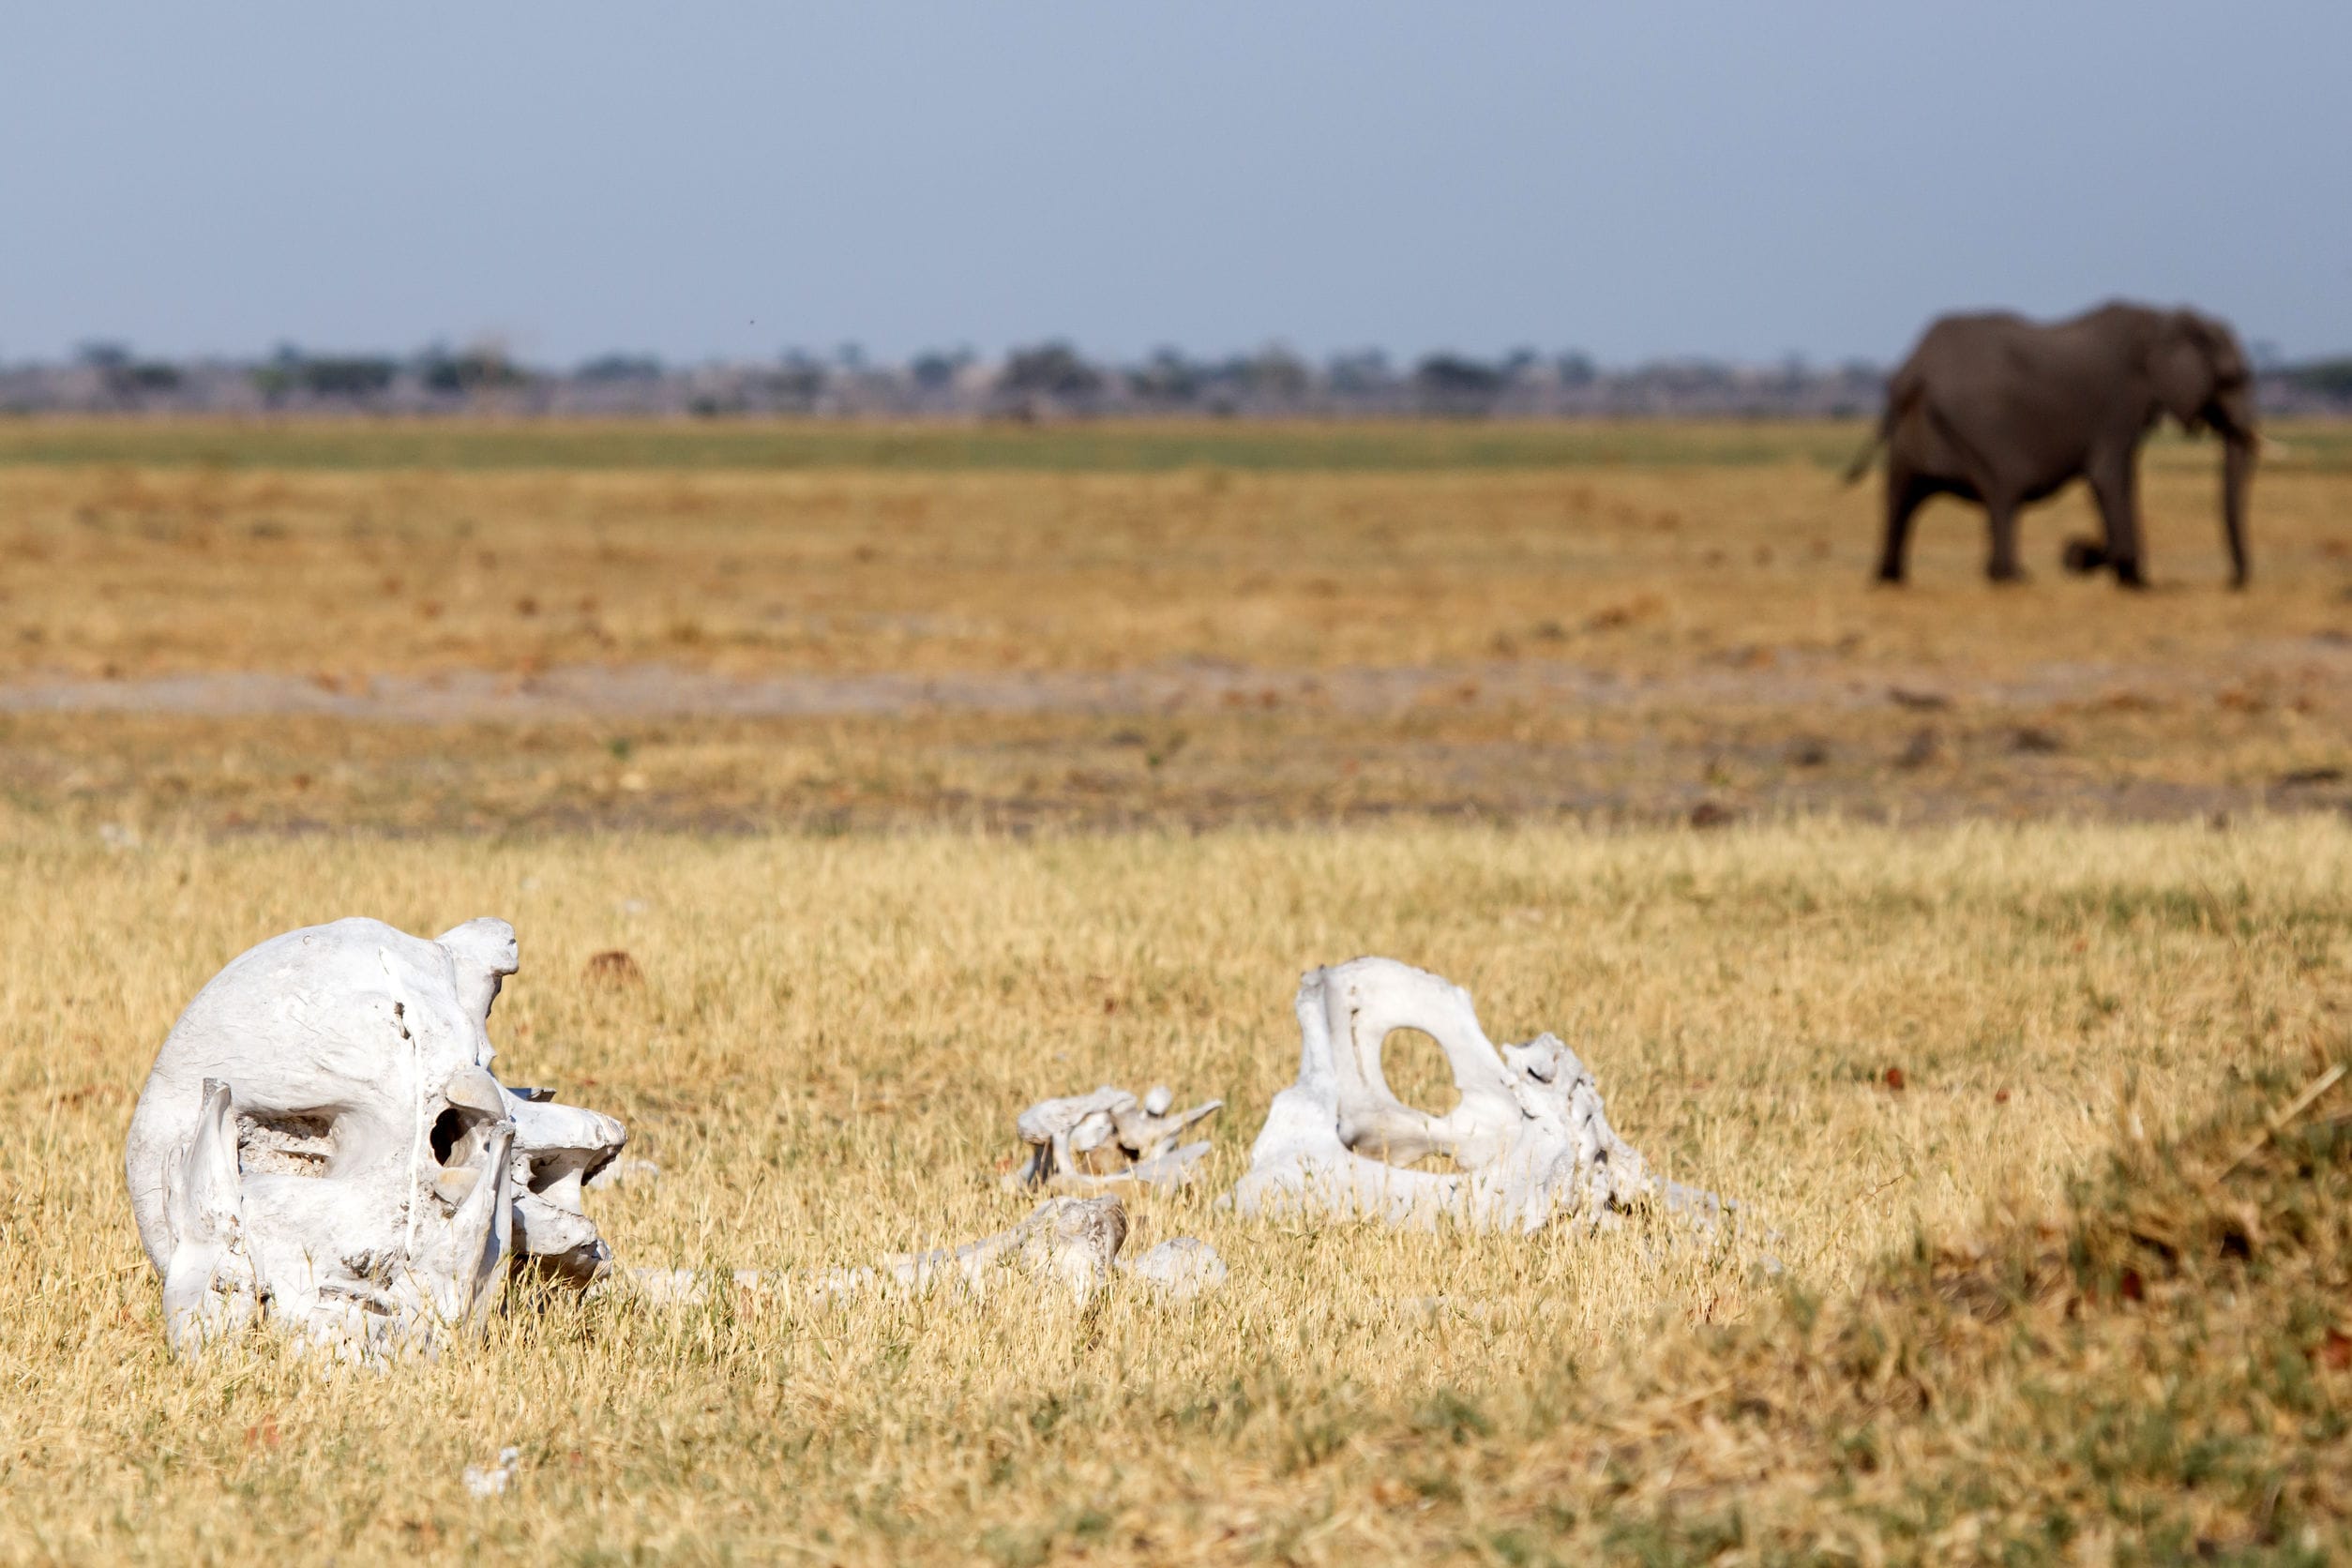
<point>1040,382</point>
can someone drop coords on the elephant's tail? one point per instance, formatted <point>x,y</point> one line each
<point>1860,465</point>
<point>1901,393</point>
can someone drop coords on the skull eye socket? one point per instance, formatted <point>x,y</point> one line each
<point>459,1136</point>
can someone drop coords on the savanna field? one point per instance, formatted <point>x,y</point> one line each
<point>1991,948</point>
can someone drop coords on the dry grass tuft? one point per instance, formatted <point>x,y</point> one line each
<point>2158,1370</point>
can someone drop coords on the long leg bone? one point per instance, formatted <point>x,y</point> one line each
<point>1067,1245</point>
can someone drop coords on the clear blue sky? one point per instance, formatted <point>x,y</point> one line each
<point>1736,179</point>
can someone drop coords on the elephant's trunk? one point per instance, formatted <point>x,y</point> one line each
<point>2237,460</point>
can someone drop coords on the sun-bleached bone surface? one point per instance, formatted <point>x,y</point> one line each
<point>1178,1269</point>
<point>1095,1143</point>
<point>1067,1246</point>
<point>322,1145</point>
<point>1529,1139</point>
<point>1069,1242</point>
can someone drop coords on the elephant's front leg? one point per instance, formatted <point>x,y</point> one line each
<point>2000,516</point>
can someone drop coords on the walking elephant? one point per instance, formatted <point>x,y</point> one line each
<point>2004,412</point>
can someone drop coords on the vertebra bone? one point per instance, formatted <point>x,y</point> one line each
<point>1096,1143</point>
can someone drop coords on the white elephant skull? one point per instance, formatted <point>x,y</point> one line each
<point>322,1144</point>
<point>1529,1138</point>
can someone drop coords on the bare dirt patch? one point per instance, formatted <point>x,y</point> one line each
<point>2310,671</point>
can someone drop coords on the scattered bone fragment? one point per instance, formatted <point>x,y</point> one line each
<point>1529,1140</point>
<point>626,1171</point>
<point>492,1481</point>
<point>1091,1143</point>
<point>322,1145</point>
<point>692,1287</point>
<point>1066,1242</point>
<point>1178,1269</point>
<point>1071,1241</point>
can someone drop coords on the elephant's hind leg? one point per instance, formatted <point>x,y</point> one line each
<point>2114,485</point>
<point>1905,492</point>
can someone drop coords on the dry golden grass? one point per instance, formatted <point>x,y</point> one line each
<point>1649,567</point>
<point>2158,1373</point>
<point>1713,576</point>
<point>826,1057</point>
<point>1311,642</point>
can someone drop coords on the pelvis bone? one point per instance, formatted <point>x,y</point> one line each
<point>322,1145</point>
<point>1529,1138</point>
<point>1094,1142</point>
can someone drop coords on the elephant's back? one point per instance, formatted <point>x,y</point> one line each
<point>1973,333</point>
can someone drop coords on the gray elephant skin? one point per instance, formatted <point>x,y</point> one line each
<point>2004,412</point>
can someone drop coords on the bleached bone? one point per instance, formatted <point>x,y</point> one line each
<point>1097,1142</point>
<point>1178,1269</point>
<point>558,1149</point>
<point>687,1286</point>
<point>492,1480</point>
<point>322,1145</point>
<point>625,1171</point>
<point>1066,1243</point>
<point>1529,1138</point>
<point>1072,1241</point>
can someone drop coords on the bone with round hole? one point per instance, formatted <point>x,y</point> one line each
<point>322,1145</point>
<point>1529,1138</point>
<point>1091,1143</point>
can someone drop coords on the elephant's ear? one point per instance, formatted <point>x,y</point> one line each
<point>2181,366</point>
